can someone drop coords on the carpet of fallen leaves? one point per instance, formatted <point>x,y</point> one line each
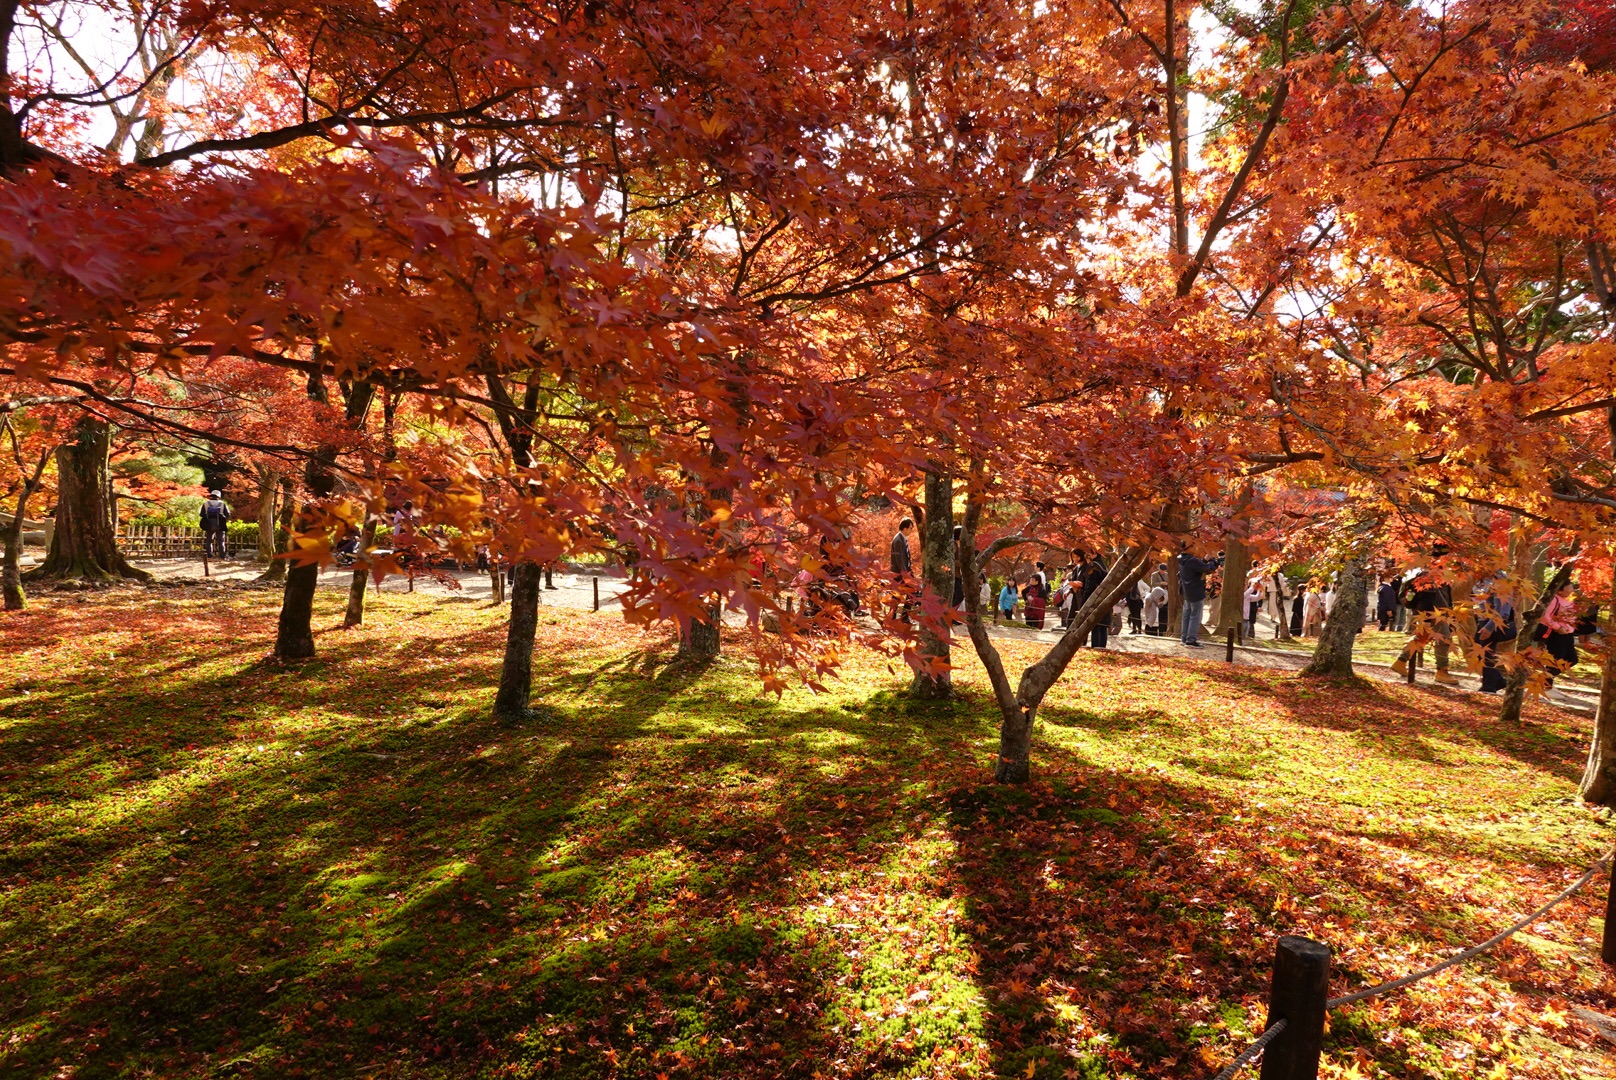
<point>214,865</point>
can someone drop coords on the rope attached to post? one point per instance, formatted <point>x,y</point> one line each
<point>1475,950</point>
<point>1252,1051</point>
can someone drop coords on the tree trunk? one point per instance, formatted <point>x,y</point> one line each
<point>294,637</point>
<point>1232,603</point>
<point>11,564</point>
<point>355,614</point>
<point>1015,748</point>
<point>85,543</point>
<point>937,581</point>
<point>1599,778</point>
<point>10,577</point>
<point>699,642</point>
<point>281,534</point>
<point>1333,656</point>
<point>268,481</point>
<point>516,674</point>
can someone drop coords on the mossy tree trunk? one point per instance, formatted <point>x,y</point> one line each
<point>1333,655</point>
<point>85,544</point>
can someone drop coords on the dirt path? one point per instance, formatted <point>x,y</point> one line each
<point>577,592</point>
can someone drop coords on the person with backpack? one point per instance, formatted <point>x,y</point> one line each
<point>215,517</point>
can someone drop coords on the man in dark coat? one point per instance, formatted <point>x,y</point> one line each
<point>1386,603</point>
<point>902,563</point>
<point>1192,571</point>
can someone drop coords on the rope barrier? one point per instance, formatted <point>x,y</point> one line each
<point>1252,1051</point>
<point>1475,950</point>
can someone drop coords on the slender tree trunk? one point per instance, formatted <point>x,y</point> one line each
<point>1333,655</point>
<point>1015,747</point>
<point>355,614</point>
<point>85,543</point>
<point>294,636</point>
<point>937,580</point>
<point>1599,778</point>
<point>268,482</point>
<point>11,564</point>
<point>516,674</point>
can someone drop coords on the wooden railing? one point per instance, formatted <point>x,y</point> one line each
<point>173,541</point>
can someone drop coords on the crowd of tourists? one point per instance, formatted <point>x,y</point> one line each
<point>1418,601</point>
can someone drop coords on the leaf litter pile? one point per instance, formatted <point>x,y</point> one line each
<point>215,865</point>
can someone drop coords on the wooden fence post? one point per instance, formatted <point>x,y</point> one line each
<point>1229,655</point>
<point>1297,995</point>
<point>595,580</point>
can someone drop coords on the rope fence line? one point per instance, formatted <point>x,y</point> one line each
<point>1277,1026</point>
<point>1252,1051</point>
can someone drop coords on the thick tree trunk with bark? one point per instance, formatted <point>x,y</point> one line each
<point>85,543</point>
<point>1333,655</point>
<point>1599,777</point>
<point>937,580</point>
<point>355,615</point>
<point>699,642</point>
<point>1231,603</point>
<point>516,673</point>
<point>10,576</point>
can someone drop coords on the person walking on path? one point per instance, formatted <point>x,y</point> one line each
<point>1192,571</point>
<point>902,563</point>
<point>1559,633</point>
<point>1007,601</point>
<point>1155,608</point>
<point>1278,589</point>
<point>1035,599</point>
<point>1386,603</point>
<point>1136,604</point>
<point>215,517</point>
<point>1312,611</point>
<point>1094,572</point>
<point>1428,601</point>
<point>1253,600</point>
<point>1495,628</point>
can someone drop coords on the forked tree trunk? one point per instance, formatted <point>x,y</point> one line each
<point>85,543</point>
<point>281,534</point>
<point>1599,777</point>
<point>516,673</point>
<point>355,615</point>
<point>1333,655</point>
<point>937,580</point>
